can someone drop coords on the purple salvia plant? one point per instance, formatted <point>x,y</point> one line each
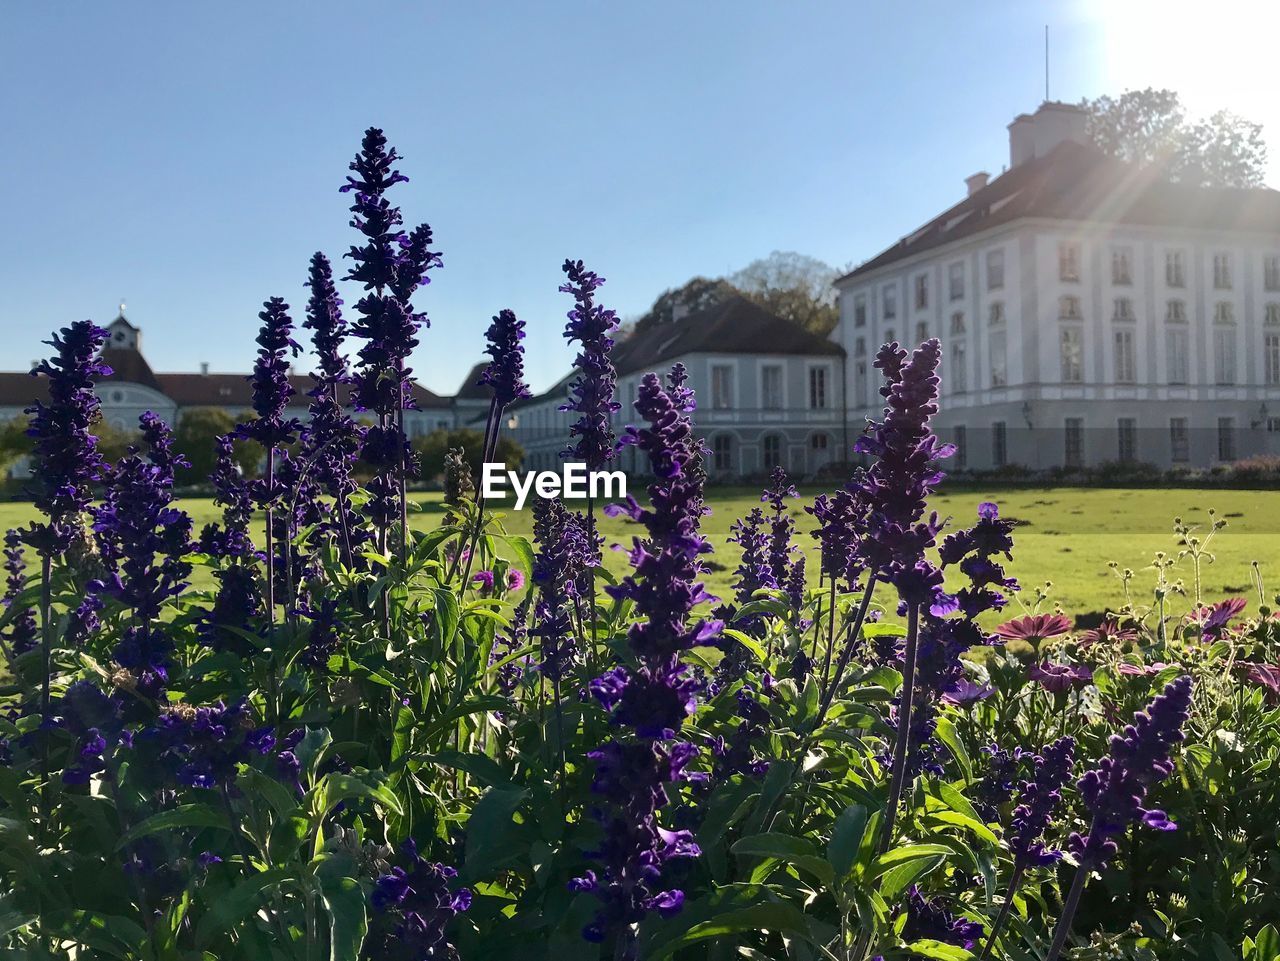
<point>144,540</point>
<point>505,374</point>
<point>1114,791</point>
<point>1038,798</point>
<point>239,598</point>
<point>650,702</point>
<point>591,392</point>
<point>781,526</point>
<point>390,265</point>
<point>412,908</point>
<point>22,633</point>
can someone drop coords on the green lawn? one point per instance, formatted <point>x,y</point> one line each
<point>1066,536</point>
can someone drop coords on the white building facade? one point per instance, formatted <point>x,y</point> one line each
<point>1087,312</point>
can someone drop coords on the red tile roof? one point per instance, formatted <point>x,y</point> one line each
<point>1077,182</point>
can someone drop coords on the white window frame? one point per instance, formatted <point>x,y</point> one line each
<point>955,280</point>
<point>827,384</point>
<point>995,278</point>
<point>1125,355</point>
<point>732,367</point>
<point>781,368</point>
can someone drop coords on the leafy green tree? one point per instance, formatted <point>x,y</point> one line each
<point>698,294</point>
<point>196,437</point>
<point>434,447</point>
<point>793,286</point>
<point>1150,128</point>
<point>14,442</point>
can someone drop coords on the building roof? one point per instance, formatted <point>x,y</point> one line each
<point>21,390</point>
<point>471,388</point>
<point>129,366</point>
<point>1078,182</point>
<point>736,326</point>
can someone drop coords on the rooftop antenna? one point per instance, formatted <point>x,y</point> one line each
<point>1046,63</point>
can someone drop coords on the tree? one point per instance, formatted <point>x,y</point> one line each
<point>795,287</point>
<point>698,294</point>
<point>195,438</point>
<point>1149,127</point>
<point>433,448</point>
<point>14,442</point>
<point>113,442</point>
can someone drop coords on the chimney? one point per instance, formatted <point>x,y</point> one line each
<point>1032,136</point>
<point>976,182</point>
<point>204,368</point>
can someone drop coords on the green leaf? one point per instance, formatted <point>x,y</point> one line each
<point>964,821</point>
<point>348,921</point>
<point>489,830</point>
<point>1267,944</point>
<point>184,816</point>
<point>846,837</point>
<point>897,879</point>
<point>447,616</point>
<point>523,549</point>
<point>481,767</point>
<point>750,643</point>
<point>939,950</point>
<point>908,852</point>
<point>335,788</point>
<point>946,732</point>
<point>787,849</point>
<point>769,916</point>
<point>232,907</point>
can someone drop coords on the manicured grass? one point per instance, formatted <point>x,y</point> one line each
<point>1065,536</point>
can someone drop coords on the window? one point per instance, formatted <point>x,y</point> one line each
<point>721,386</point>
<point>1271,272</point>
<point>722,452</point>
<point>922,331</point>
<point>1224,357</point>
<point>888,335</point>
<point>960,437</point>
<point>860,382</point>
<point>818,388</point>
<point>1126,440</point>
<point>860,347</point>
<point>1121,266</point>
<point>1069,308</point>
<point>771,387</point>
<point>1072,343</point>
<point>996,318</point>
<point>818,441</point>
<point>1272,315</point>
<point>995,269</point>
<point>772,451</point>
<point>889,298</point>
<point>1068,262</point>
<point>1173,272</point>
<point>1124,309</point>
<point>1222,271</point>
<point>922,291</point>
<point>957,324</point>
<point>1126,361</point>
<point>1271,358</point>
<point>959,371</point>
<point>955,281</point>
<point>999,444</point>
<point>1226,438</point>
<point>999,360</point>
<point>1177,313</point>
<point>1224,312</point>
<point>1179,440</point>
<point>860,310</point>
<point>1179,366</point>
<point>1073,442</point>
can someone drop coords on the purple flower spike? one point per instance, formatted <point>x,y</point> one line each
<point>66,458</point>
<point>1037,800</point>
<point>270,378</point>
<point>1139,758</point>
<point>592,390</point>
<point>505,373</point>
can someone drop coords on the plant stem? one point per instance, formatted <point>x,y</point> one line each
<point>1014,882</point>
<point>46,656</point>
<point>831,639</point>
<point>1068,914</point>
<point>903,742</point>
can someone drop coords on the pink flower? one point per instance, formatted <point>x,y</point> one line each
<point>1034,627</point>
<point>1108,632</point>
<point>1057,678</point>
<point>515,579</point>
<point>1213,620</point>
<point>1266,676</point>
<point>483,580</point>
<point>966,692</point>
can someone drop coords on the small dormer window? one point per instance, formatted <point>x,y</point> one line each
<point>119,338</point>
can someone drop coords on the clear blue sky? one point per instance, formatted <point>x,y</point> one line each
<point>186,157</point>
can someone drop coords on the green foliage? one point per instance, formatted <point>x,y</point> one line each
<point>194,438</point>
<point>433,449</point>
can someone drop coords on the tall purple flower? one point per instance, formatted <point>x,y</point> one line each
<point>390,265</point>
<point>143,540</point>
<point>505,373</point>
<point>560,556</point>
<point>22,633</point>
<point>412,910</point>
<point>239,598</point>
<point>928,919</point>
<point>841,521</point>
<point>67,462</point>
<point>270,378</point>
<point>1114,791</point>
<point>591,393</point>
<point>781,526</point>
<point>1037,800</point>
<point>636,770</point>
<point>905,471</point>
